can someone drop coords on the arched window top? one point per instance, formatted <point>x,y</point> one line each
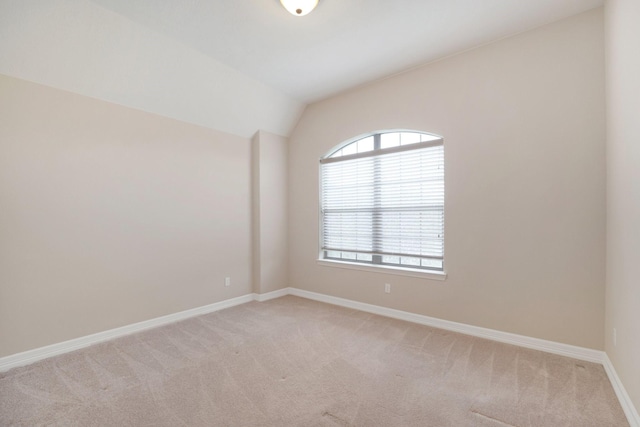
<point>380,141</point>
<point>382,201</point>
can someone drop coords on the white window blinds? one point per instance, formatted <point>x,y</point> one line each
<point>385,206</point>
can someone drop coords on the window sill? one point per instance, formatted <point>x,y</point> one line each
<point>385,269</point>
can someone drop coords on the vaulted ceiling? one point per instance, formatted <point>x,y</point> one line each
<point>243,65</point>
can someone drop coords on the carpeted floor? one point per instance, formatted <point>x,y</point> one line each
<point>295,362</point>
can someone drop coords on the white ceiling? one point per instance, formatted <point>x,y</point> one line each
<point>343,43</point>
<point>242,65</point>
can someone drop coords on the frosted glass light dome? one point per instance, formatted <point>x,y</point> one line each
<point>299,7</point>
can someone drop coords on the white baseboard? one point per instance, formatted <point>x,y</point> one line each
<point>505,337</point>
<point>31,356</point>
<point>580,353</point>
<point>271,295</point>
<point>625,401</point>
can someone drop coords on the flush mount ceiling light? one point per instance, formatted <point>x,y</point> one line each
<point>299,7</point>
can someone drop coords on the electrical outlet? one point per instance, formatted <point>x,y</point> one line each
<point>227,281</point>
<point>387,288</point>
<point>615,337</point>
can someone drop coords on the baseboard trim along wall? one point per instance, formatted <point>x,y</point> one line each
<point>31,356</point>
<point>575,352</point>
<point>581,353</point>
<point>625,401</point>
<point>271,295</point>
<point>596,356</point>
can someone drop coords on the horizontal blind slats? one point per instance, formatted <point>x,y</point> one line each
<point>391,204</point>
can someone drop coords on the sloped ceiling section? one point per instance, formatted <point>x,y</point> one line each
<point>79,46</point>
<point>343,43</point>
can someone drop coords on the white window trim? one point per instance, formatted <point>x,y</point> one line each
<point>422,273</point>
<point>385,269</point>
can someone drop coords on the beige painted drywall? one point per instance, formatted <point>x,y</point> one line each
<point>623,191</point>
<point>270,212</point>
<point>524,130</point>
<point>86,48</point>
<point>110,216</point>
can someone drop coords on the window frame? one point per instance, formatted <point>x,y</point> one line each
<point>376,267</point>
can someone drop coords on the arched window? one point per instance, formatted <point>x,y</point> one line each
<point>382,201</point>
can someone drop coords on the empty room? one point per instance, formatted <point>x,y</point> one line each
<point>320,213</point>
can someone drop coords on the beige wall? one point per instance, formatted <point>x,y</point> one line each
<point>269,192</point>
<point>524,129</point>
<point>623,191</point>
<point>87,48</point>
<point>110,216</point>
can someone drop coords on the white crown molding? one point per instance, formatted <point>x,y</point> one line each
<point>625,401</point>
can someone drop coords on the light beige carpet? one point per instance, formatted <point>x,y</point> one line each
<point>295,362</point>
